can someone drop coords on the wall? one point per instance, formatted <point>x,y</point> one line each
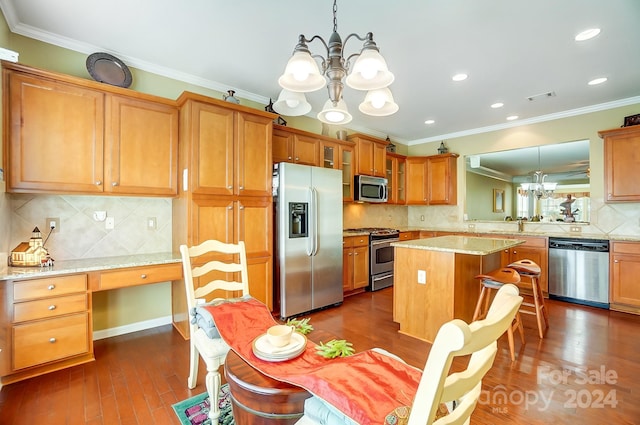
<point>480,193</point>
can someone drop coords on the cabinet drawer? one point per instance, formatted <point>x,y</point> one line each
<point>360,241</point>
<point>625,248</point>
<point>51,307</point>
<point>49,287</point>
<point>133,276</point>
<point>49,340</point>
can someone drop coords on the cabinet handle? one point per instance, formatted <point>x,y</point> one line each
<point>114,184</point>
<point>52,340</point>
<point>52,307</point>
<point>98,182</point>
<point>143,276</point>
<point>51,287</point>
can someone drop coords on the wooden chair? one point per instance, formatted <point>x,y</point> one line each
<point>530,270</point>
<point>210,274</point>
<point>494,280</point>
<point>458,391</point>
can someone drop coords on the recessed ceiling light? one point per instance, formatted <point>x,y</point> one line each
<point>512,117</point>
<point>587,34</point>
<point>597,81</point>
<point>429,122</point>
<point>497,105</point>
<point>459,77</point>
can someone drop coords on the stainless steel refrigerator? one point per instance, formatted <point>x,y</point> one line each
<point>308,221</point>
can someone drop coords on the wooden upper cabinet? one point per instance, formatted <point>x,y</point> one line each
<point>227,150</point>
<point>621,163</point>
<point>282,146</point>
<point>442,186</point>
<point>431,180</point>
<point>141,140</point>
<point>396,176</point>
<point>69,135</point>
<point>56,136</point>
<point>295,147</point>
<point>370,155</point>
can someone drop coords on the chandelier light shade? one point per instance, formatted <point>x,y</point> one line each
<point>292,103</point>
<point>368,73</point>
<point>539,188</point>
<point>378,103</point>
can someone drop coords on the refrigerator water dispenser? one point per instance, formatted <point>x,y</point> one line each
<point>298,223</point>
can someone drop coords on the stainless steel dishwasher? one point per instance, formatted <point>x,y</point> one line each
<point>579,271</point>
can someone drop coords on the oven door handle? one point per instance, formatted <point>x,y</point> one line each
<point>381,276</point>
<point>384,241</point>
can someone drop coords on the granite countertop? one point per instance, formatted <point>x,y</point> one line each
<point>89,264</point>
<point>460,244</point>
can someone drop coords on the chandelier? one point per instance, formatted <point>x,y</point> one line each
<point>539,188</point>
<point>368,72</point>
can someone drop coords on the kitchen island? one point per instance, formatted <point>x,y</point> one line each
<point>434,280</point>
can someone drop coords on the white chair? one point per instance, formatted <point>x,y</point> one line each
<point>458,391</point>
<point>212,272</point>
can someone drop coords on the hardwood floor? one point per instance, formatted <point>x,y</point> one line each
<point>585,371</point>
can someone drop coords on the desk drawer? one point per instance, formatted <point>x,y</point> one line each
<point>48,340</point>
<point>49,287</point>
<point>133,276</point>
<point>51,307</point>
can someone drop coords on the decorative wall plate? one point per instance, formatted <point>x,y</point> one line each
<point>107,68</point>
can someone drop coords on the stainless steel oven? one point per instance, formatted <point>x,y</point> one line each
<point>380,256</point>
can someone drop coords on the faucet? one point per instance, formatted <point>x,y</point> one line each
<point>520,225</point>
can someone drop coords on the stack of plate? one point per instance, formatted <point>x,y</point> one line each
<point>263,349</point>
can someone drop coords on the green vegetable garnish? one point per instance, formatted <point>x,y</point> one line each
<point>302,325</point>
<point>335,348</point>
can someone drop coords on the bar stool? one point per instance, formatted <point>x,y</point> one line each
<point>531,270</point>
<point>494,280</point>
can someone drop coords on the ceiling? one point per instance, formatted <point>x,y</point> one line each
<point>511,50</point>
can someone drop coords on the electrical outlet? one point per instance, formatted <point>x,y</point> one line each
<point>53,223</point>
<point>422,217</point>
<point>472,227</point>
<point>422,277</point>
<point>575,229</point>
<point>152,223</point>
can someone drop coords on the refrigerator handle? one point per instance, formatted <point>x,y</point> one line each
<point>310,220</point>
<point>314,221</point>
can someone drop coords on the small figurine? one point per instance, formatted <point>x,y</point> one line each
<point>566,209</point>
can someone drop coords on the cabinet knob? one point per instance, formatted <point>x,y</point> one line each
<point>615,261</point>
<point>241,207</point>
<point>143,276</point>
<point>114,184</point>
<point>51,287</point>
<point>515,252</point>
<point>241,187</point>
<point>297,159</point>
<point>350,254</point>
<point>98,182</point>
<point>52,307</point>
<point>229,187</point>
<point>355,253</point>
<point>289,158</point>
<point>230,207</point>
<point>52,340</point>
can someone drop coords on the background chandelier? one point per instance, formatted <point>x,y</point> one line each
<point>539,188</point>
<point>369,72</point>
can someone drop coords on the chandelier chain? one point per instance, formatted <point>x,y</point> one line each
<point>335,17</point>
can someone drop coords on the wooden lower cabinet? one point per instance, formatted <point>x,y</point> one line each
<point>46,327</point>
<point>624,268</point>
<point>355,261</point>
<point>407,236</point>
<point>535,249</point>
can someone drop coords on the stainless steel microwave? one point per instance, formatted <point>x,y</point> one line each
<point>370,189</point>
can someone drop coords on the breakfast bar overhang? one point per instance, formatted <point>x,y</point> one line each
<point>434,280</point>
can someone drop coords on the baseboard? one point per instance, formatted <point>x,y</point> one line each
<point>132,327</point>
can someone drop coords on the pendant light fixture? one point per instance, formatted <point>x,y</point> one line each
<point>539,188</point>
<point>368,73</point>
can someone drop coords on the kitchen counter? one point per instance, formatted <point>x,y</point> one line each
<point>434,280</point>
<point>88,265</point>
<point>460,244</point>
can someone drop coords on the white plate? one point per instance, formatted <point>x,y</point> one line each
<point>265,351</point>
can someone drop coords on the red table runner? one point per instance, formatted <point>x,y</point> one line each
<point>365,386</point>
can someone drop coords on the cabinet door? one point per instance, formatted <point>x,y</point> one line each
<point>621,165</point>
<point>401,182</point>
<point>624,285</point>
<point>212,219</point>
<point>212,137</point>
<point>416,169</point>
<point>441,181</point>
<point>346,158</point>
<point>253,167</point>
<point>379,159</point>
<point>392,164</point>
<point>347,269</point>
<point>365,157</point>
<point>305,150</point>
<point>141,147</point>
<point>329,155</point>
<point>360,267</point>
<point>254,225</point>
<point>54,123</point>
<point>282,146</point>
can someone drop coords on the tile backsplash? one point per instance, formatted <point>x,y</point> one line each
<point>80,235</point>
